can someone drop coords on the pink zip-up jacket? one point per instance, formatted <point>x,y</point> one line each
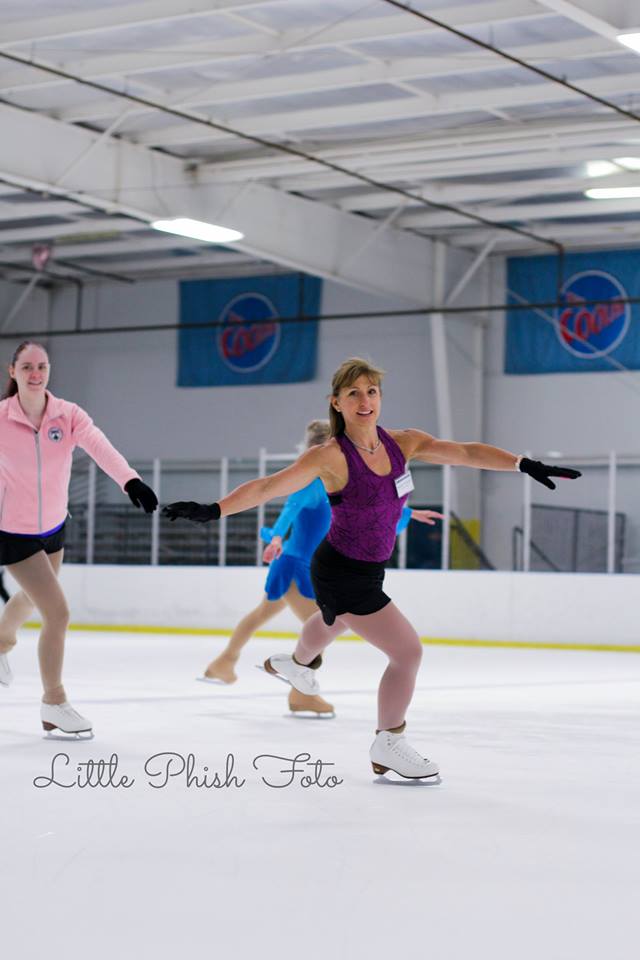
<point>35,465</point>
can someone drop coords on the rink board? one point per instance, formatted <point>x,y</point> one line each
<point>494,607</point>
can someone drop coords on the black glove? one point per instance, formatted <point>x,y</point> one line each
<point>541,472</point>
<point>189,510</point>
<point>141,495</point>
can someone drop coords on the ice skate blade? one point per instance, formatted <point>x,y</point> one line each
<point>380,771</point>
<point>311,715</point>
<point>215,680</point>
<point>66,737</point>
<point>272,673</point>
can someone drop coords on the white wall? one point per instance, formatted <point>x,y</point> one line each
<point>506,607</point>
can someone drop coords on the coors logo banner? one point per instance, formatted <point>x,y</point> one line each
<point>580,336</point>
<point>249,345</point>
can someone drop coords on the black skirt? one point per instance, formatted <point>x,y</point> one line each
<point>15,547</point>
<point>344,585</point>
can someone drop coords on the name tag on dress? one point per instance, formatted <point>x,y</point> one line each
<point>404,484</point>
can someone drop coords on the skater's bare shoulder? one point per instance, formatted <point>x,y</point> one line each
<point>334,471</point>
<point>413,443</point>
<point>308,467</point>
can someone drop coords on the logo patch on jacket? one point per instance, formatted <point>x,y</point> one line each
<point>55,434</point>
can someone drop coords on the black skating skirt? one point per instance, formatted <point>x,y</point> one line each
<point>15,547</point>
<point>344,585</point>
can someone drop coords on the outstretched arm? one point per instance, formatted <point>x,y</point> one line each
<point>93,441</point>
<point>417,445</point>
<point>251,494</point>
<point>422,446</point>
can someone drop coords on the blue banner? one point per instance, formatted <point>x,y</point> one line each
<point>579,337</point>
<point>249,345</point>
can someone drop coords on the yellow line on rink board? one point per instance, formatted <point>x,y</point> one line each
<point>287,635</point>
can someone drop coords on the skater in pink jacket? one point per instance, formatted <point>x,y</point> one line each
<point>38,433</point>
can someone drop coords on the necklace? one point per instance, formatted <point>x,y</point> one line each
<point>359,445</point>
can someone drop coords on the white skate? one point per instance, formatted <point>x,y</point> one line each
<point>6,676</point>
<point>303,679</point>
<point>392,751</point>
<point>66,720</point>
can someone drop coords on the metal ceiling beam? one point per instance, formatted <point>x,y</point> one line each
<point>489,144</point>
<point>352,116</point>
<point>130,180</point>
<point>33,211</point>
<point>604,231</point>
<point>103,139</point>
<point>88,23</point>
<point>527,213</point>
<point>471,166</point>
<point>158,270</point>
<point>156,242</point>
<point>602,18</point>
<point>504,191</point>
<point>391,70</point>
<point>558,79</point>
<point>134,266</point>
<point>85,228</point>
<point>295,40</point>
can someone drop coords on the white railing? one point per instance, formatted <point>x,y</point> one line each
<point>105,529</point>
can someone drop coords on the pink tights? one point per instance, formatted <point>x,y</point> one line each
<point>391,632</point>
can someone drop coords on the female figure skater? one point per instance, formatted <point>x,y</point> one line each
<point>38,433</point>
<point>308,513</point>
<point>364,470</point>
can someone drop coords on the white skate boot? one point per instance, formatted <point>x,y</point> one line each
<point>392,751</point>
<point>283,666</point>
<point>6,676</point>
<point>68,721</point>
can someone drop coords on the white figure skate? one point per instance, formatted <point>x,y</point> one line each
<point>63,718</point>
<point>283,666</point>
<point>6,676</point>
<point>392,751</point>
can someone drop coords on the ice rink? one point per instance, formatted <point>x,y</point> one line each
<point>527,849</point>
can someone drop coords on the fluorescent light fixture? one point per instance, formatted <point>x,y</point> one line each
<point>613,193</point>
<point>629,163</point>
<point>197,230</point>
<point>630,40</point>
<point>601,168</point>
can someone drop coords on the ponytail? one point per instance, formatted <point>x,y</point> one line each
<point>11,389</point>
<point>336,420</point>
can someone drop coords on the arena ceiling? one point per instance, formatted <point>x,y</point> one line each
<point>300,122</point>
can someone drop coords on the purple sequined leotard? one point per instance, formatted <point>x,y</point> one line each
<point>365,513</point>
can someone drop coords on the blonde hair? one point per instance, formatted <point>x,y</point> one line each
<point>345,376</point>
<point>316,433</point>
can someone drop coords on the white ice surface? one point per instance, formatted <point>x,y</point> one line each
<point>528,849</point>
